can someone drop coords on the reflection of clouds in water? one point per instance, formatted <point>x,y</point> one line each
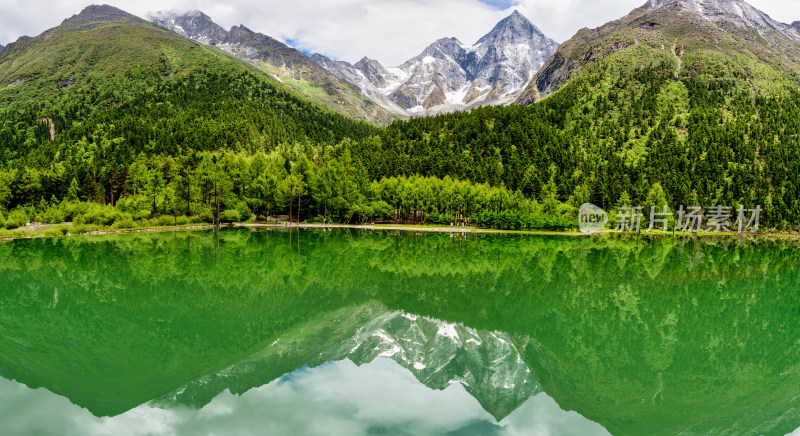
<point>335,399</point>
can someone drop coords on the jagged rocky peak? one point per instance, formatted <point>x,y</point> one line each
<point>194,24</point>
<point>95,15</point>
<point>321,59</point>
<point>372,70</point>
<point>515,27</point>
<point>240,31</point>
<point>449,75</point>
<point>276,59</point>
<point>738,12</point>
<point>446,49</point>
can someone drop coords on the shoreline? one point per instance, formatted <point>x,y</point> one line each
<point>406,228</point>
<point>402,228</point>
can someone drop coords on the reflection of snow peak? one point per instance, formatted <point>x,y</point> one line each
<point>439,354</point>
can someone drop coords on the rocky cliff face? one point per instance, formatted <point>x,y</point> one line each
<point>194,25</point>
<point>292,67</point>
<point>449,75</point>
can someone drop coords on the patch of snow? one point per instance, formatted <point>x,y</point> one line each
<point>458,96</point>
<point>419,366</point>
<point>384,337</point>
<point>428,60</point>
<point>448,331</point>
<point>391,352</point>
<point>738,10</point>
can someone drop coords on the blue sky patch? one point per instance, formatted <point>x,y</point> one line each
<point>293,44</point>
<point>498,4</point>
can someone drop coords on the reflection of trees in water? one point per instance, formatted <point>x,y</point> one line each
<point>636,335</point>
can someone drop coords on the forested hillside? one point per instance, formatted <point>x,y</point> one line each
<point>183,133</point>
<point>717,132</point>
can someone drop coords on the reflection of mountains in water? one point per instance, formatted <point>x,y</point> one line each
<point>653,337</point>
<point>437,353</point>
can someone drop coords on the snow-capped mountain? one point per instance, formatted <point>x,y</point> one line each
<point>736,12</point>
<point>292,67</point>
<point>240,41</point>
<point>449,75</point>
<point>194,25</point>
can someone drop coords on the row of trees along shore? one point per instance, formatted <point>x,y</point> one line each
<point>309,183</point>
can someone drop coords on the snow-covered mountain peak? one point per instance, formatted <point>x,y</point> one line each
<point>514,27</point>
<point>194,25</point>
<point>449,75</point>
<point>738,12</point>
<point>727,14</point>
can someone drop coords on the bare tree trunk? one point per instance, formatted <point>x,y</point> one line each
<point>216,194</point>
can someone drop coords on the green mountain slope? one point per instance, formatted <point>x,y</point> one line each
<point>708,34</point>
<point>105,68</point>
<point>100,48</point>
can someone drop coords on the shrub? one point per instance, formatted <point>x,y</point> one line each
<point>165,221</point>
<point>230,216</point>
<point>16,219</point>
<point>54,215</point>
<point>53,232</point>
<point>182,220</point>
<point>127,223</point>
<point>196,219</point>
<point>141,215</point>
<point>79,229</point>
<point>435,218</point>
<point>101,215</point>
<point>206,216</point>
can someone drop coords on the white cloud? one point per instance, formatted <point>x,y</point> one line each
<point>391,31</point>
<point>337,398</point>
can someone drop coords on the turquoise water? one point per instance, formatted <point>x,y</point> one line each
<point>319,332</point>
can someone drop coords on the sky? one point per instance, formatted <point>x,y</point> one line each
<point>391,31</point>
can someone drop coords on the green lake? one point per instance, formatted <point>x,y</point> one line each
<point>319,332</point>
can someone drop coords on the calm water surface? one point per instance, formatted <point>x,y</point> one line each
<point>351,333</point>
